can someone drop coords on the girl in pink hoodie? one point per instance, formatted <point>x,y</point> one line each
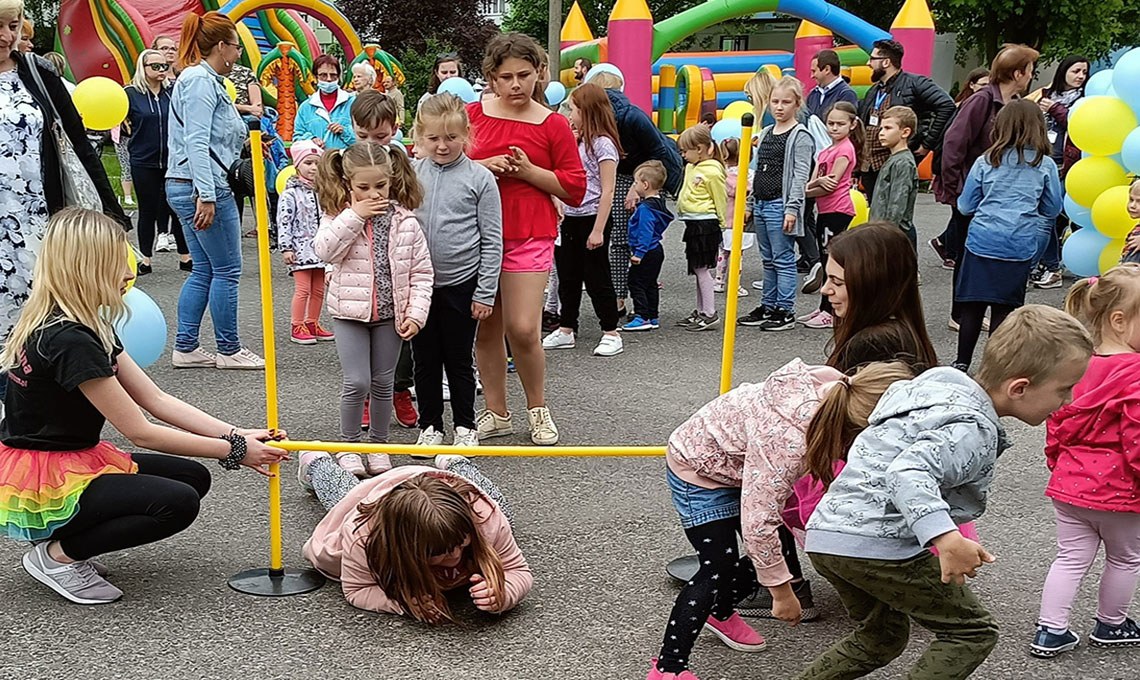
<point>1092,448</point>
<point>379,289</point>
<point>731,470</point>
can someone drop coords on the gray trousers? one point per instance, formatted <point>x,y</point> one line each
<point>368,354</point>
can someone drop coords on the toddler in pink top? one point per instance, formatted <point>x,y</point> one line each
<point>731,470</point>
<point>1092,447</point>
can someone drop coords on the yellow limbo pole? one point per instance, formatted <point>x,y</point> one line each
<point>514,451</point>
<point>732,287</point>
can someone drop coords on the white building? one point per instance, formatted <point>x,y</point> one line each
<point>494,10</point>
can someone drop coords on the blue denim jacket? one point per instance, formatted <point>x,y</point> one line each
<point>1013,205</point>
<point>206,120</point>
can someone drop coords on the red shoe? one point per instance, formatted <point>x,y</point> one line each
<point>302,336</point>
<point>406,414</point>
<point>320,332</point>
<point>366,421</point>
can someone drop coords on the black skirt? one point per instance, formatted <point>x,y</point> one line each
<point>999,282</point>
<point>702,244</point>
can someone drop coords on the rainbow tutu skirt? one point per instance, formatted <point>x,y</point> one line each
<point>40,490</point>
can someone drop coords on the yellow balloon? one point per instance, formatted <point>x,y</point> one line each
<point>231,89</point>
<point>1100,124</point>
<point>1110,213</point>
<point>1090,177</point>
<point>283,177</point>
<point>101,102</point>
<point>736,110</point>
<point>133,263</point>
<point>862,210</point>
<point>1110,256</point>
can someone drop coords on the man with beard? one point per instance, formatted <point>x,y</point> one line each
<point>895,87</point>
<point>581,68</point>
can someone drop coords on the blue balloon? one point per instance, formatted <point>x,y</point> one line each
<point>143,329</point>
<point>555,93</point>
<point>399,136</point>
<point>1126,77</point>
<point>727,129</point>
<point>460,88</point>
<point>1100,83</point>
<point>1081,252</point>
<point>1130,154</point>
<point>1077,212</point>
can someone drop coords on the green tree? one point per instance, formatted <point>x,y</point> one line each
<point>45,15</point>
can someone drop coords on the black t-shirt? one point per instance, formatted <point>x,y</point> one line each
<point>44,409</point>
<point>768,184</point>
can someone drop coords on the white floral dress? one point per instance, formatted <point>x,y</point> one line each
<point>23,208</point>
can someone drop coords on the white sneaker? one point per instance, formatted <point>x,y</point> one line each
<point>609,346</point>
<point>304,463</point>
<point>543,432</point>
<point>446,389</point>
<point>758,285</point>
<point>242,360</point>
<point>559,340</point>
<point>718,287</point>
<point>741,291</point>
<point>465,437</point>
<point>490,424</point>
<point>163,243</point>
<point>78,581</point>
<point>377,463</point>
<point>199,358</point>
<point>429,437</point>
<point>352,463</point>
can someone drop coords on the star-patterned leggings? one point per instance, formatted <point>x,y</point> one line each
<point>724,578</point>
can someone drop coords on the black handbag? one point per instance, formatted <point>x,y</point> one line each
<point>239,174</point>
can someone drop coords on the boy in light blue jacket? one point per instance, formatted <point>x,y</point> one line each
<point>922,467</point>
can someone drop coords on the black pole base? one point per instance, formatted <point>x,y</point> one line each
<point>684,568</point>
<point>276,583</point>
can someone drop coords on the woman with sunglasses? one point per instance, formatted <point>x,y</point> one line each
<point>149,98</point>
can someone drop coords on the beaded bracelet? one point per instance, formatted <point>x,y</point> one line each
<point>237,451</point>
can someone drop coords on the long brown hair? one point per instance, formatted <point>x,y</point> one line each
<point>858,135</point>
<point>596,116</point>
<point>843,414</point>
<point>201,34</point>
<point>1019,126</point>
<point>433,81</point>
<point>880,272</point>
<point>971,79</point>
<point>421,518</point>
<point>334,175</point>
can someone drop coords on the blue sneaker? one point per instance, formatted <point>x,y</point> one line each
<point>640,324</point>
<point>1126,634</point>
<point>1047,645</point>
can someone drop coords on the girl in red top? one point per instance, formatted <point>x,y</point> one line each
<point>1091,447</point>
<point>534,156</point>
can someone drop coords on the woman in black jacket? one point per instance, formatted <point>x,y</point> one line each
<point>147,120</point>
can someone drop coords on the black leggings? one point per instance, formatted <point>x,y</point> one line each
<point>724,578</point>
<point>577,265</point>
<point>155,215</point>
<point>122,511</point>
<point>830,224</point>
<point>970,315</point>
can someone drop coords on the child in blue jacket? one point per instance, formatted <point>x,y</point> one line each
<point>646,227</point>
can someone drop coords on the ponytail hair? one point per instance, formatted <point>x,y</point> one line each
<point>200,34</point>
<point>1093,300</point>
<point>858,134</point>
<point>337,167</point>
<point>843,414</point>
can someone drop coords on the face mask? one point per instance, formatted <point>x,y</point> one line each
<point>328,87</point>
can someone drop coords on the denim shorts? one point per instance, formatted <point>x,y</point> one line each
<point>697,505</point>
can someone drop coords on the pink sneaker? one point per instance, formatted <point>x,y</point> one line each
<point>736,633</point>
<point>655,674</point>
<point>821,320</point>
<point>808,317</point>
<point>320,333</point>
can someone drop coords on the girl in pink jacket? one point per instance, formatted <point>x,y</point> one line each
<point>731,469</point>
<point>1092,446</point>
<point>398,542</point>
<point>379,289</point>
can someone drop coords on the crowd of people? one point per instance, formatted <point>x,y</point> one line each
<point>440,264</point>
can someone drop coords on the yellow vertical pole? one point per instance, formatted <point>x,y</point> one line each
<point>733,284</point>
<point>261,203</point>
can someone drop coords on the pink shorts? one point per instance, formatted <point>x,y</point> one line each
<point>528,255</point>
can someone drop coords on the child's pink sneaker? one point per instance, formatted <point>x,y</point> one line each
<point>736,633</point>
<point>655,674</point>
<point>320,332</point>
<point>301,335</point>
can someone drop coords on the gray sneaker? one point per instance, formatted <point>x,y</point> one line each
<point>78,581</point>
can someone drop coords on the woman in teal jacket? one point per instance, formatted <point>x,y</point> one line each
<point>326,117</point>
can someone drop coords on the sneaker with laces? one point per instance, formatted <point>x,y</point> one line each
<point>78,581</point>
<point>705,323</point>
<point>609,346</point>
<point>446,460</point>
<point>404,410</point>
<point>1047,645</point>
<point>780,320</point>
<point>640,324</point>
<point>242,360</point>
<point>465,437</point>
<point>559,340</point>
<point>302,335</point>
<point>543,432</point>
<point>304,464</point>
<point>164,243</point>
<point>352,463</point>
<point>490,424</point>
<point>756,316</point>
<point>1126,634</point>
<point>689,320</point>
<point>429,437</point>
<point>741,291</point>
<point>198,358</point>
<point>718,286</point>
<point>1048,279</point>
<point>655,674</point>
<point>759,603</point>
<point>821,320</point>
<point>814,279</point>
<point>377,463</point>
<point>735,633</point>
<point>758,285</point>
<point>321,333</point>
<point>809,316</point>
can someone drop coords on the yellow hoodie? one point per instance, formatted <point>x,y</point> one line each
<point>703,192</point>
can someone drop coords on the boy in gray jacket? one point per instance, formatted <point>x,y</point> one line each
<point>921,468</point>
<point>897,184</point>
